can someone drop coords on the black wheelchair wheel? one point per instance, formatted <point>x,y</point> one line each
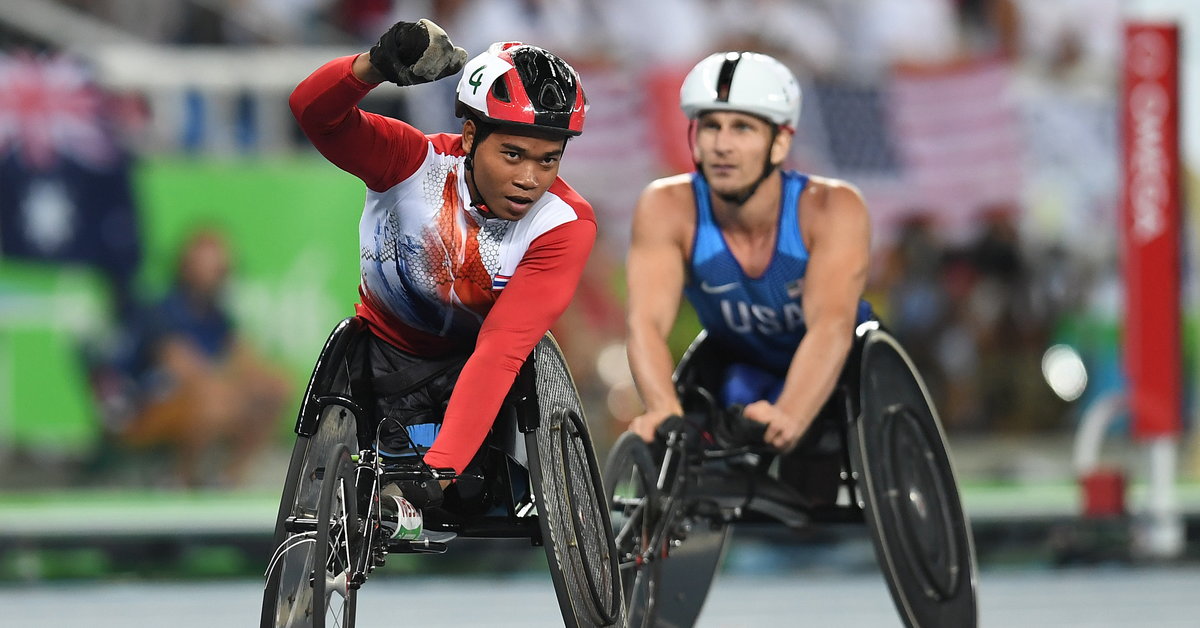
<point>337,425</point>
<point>633,500</point>
<point>338,544</point>
<point>686,577</point>
<point>288,599</point>
<point>570,499</point>
<point>909,494</point>
<point>288,592</point>
<point>315,557</point>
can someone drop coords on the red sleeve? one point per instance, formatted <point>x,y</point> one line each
<point>538,293</point>
<point>381,151</point>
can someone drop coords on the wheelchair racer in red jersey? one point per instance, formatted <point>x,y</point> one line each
<point>471,246</point>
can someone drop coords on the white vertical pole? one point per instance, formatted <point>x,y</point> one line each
<point>1160,532</point>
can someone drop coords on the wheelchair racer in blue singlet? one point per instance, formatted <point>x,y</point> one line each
<point>773,261</point>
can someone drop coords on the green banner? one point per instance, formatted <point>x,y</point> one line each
<point>292,226</point>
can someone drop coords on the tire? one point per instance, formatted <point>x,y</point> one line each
<point>290,565</point>
<point>297,592</point>
<point>634,508</point>
<point>909,494</point>
<point>338,544</point>
<point>570,498</point>
<point>301,486</point>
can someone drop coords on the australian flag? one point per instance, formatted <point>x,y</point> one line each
<point>65,188</point>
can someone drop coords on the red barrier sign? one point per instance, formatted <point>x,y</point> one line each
<point>1150,227</point>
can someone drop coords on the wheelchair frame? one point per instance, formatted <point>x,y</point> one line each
<point>512,489</point>
<point>662,498</point>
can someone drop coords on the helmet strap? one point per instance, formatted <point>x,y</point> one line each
<point>481,132</point>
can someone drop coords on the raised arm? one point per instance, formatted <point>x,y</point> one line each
<point>836,221</point>
<point>379,150</point>
<point>655,271</point>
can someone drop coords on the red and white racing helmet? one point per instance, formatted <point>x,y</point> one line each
<point>515,84</point>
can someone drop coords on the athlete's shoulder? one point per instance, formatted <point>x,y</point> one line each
<point>831,205</point>
<point>668,194</point>
<point>446,143</point>
<point>572,199</point>
<point>831,188</point>
<point>665,212</point>
<point>824,194</point>
<point>674,184</point>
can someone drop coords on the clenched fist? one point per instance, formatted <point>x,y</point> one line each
<point>410,53</point>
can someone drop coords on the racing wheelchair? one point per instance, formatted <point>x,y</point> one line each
<point>875,454</point>
<point>535,477</point>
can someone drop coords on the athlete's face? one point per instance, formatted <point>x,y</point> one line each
<point>511,172</point>
<point>732,149</point>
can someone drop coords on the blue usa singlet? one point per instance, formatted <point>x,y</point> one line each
<point>757,320</point>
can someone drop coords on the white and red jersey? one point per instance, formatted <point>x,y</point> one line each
<point>437,276</point>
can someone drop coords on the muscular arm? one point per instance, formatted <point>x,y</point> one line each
<point>538,293</point>
<point>655,274</point>
<point>379,150</point>
<point>839,249</point>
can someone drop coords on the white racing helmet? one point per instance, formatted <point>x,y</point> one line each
<point>742,81</point>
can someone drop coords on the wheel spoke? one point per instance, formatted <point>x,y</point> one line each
<point>634,519</point>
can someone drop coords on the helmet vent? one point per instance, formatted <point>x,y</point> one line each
<point>725,76</point>
<point>500,91</point>
<point>552,97</point>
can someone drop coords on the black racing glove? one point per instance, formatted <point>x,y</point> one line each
<point>411,53</point>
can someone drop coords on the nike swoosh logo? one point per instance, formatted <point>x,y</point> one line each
<point>725,287</point>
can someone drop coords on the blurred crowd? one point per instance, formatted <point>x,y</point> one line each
<point>977,296</point>
<point>863,37</point>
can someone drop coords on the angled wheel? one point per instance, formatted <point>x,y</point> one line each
<point>326,417</point>
<point>570,499</point>
<point>287,597</point>
<point>633,499</point>
<point>909,493</point>
<point>308,576</point>
<point>685,578</point>
<point>302,484</point>
<point>338,544</point>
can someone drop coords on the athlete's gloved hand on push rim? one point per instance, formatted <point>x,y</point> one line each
<point>728,428</point>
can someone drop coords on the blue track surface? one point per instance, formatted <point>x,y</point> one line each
<point>1096,598</point>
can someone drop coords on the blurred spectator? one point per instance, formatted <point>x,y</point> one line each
<point>200,388</point>
<point>976,313</point>
<point>1071,42</point>
<point>915,304</point>
<point>990,26</point>
<point>365,19</point>
<point>969,317</point>
<point>671,33</point>
<point>882,33</point>
<point>801,34</point>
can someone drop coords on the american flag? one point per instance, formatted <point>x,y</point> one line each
<point>944,142</point>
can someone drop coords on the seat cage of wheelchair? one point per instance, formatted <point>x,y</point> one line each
<point>729,480</point>
<point>500,464</point>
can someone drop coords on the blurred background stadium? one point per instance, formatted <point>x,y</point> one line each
<point>983,133</point>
